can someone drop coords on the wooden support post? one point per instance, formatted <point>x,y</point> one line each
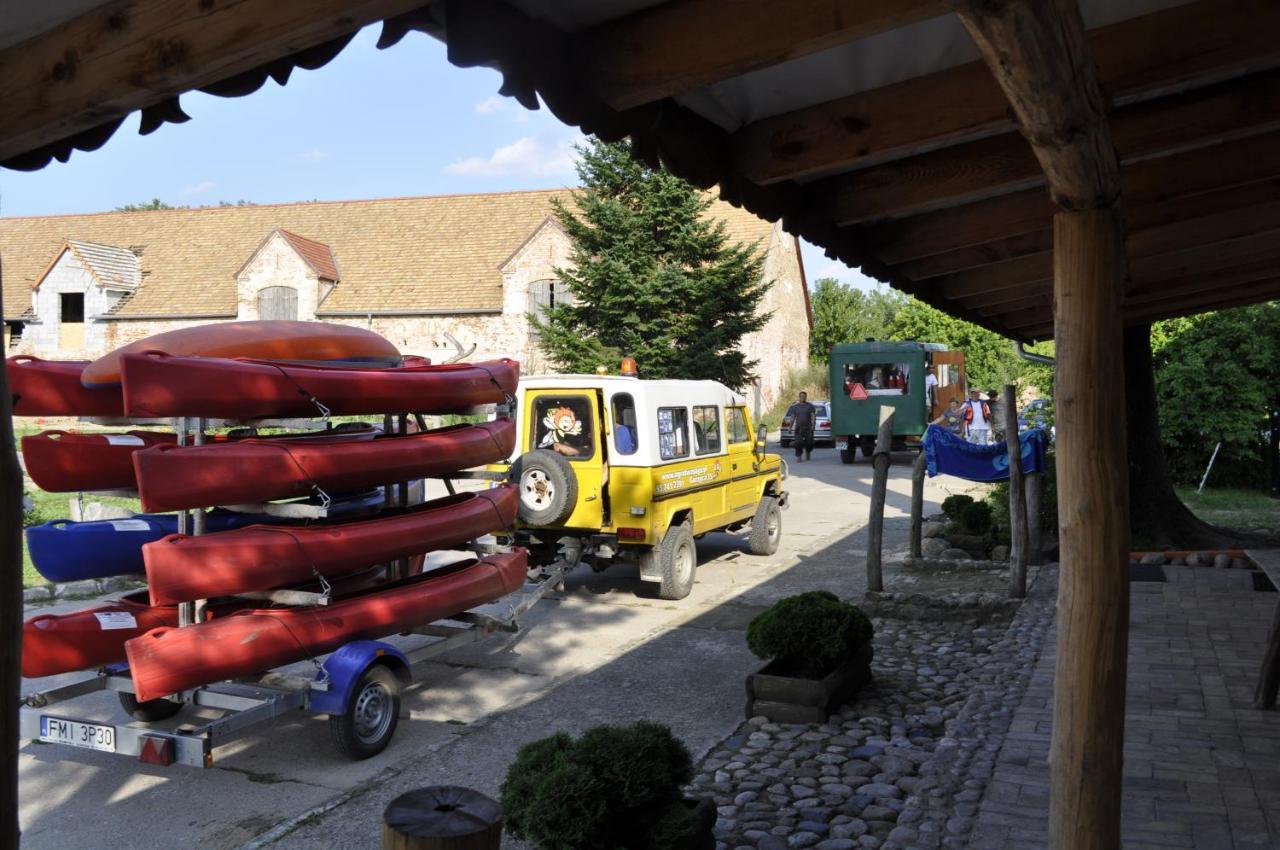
<point>1017,499</point>
<point>442,817</point>
<point>879,486</point>
<point>10,611</point>
<point>1035,518</point>
<point>1269,680</point>
<point>1086,755</point>
<point>917,504</point>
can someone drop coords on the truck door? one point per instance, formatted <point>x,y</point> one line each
<point>569,423</point>
<point>949,367</point>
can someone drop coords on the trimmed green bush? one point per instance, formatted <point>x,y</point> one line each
<point>615,788</point>
<point>812,633</point>
<point>976,518</point>
<point>953,506</point>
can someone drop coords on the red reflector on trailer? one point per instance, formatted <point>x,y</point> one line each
<point>631,534</point>
<point>156,750</point>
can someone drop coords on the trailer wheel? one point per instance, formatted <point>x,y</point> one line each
<point>372,715</point>
<point>149,711</point>
<point>846,455</point>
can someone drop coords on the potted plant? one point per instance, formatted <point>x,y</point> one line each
<point>820,651</point>
<point>614,788</point>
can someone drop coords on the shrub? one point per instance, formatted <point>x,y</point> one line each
<point>31,513</point>
<point>953,506</point>
<point>615,788</point>
<point>998,499</point>
<point>976,518</point>
<point>811,632</point>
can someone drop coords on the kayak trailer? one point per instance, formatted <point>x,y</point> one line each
<point>358,686</point>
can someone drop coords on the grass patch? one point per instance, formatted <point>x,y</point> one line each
<point>1248,510</point>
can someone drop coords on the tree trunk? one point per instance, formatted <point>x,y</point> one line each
<point>918,470</point>
<point>879,486</point>
<point>1017,499</point>
<point>10,610</point>
<point>1157,516</point>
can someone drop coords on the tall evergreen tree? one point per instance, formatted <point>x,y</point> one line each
<point>654,277</point>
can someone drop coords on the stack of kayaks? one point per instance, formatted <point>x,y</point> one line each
<point>248,371</point>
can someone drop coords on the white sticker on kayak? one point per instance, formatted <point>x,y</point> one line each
<point>130,525</point>
<point>116,620</point>
<point>124,440</point>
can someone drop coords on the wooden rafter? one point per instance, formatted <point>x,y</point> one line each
<point>665,50</point>
<point>1005,164</point>
<point>1137,59</point>
<point>131,54</point>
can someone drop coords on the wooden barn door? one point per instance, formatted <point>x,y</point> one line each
<point>278,302</point>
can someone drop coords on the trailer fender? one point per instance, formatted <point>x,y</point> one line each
<point>345,667</point>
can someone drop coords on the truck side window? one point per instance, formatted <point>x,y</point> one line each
<point>563,424</point>
<point>673,432</point>
<point>624,424</point>
<point>706,429</point>
<point>738,432</point>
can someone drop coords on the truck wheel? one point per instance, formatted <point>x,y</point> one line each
<point>766,527</point>
<point>149,711</point>
<point>678,559</point>
<point>868,447</point>
<point>371,718</point>
<point>846,455</point>
<point>547,486</point>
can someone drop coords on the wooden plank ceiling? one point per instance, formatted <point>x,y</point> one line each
<point>924,182</point>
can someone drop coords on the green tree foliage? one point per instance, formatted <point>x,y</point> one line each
<point>153,204</point>
<point>653,276</point>
<point>989,358</point>
<point>844,314</point>
<point>1217,379</point>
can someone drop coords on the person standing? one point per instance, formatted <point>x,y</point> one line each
<point>805,416</point>
<point>931,387</point>
<point>995,408</point>
<point>952,418</point>
<point>977,419</point>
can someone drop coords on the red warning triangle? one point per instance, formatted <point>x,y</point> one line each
<point>857,392</point>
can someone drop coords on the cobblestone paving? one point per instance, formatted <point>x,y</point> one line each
<point>904,765</point>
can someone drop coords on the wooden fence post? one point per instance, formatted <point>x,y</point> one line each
<point>442,817</point>
<point>1035,518</point>
<point>880,460</point>
<point>1017,500</point>
<point>917,504</point>
<point>1264,696</point>
<point>10,612</point>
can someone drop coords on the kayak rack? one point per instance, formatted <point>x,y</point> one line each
<point>249,703</point>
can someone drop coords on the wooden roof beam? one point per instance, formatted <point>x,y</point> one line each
<point>1001,165</point>
<point>131,54</point>
<point>659,52</point>
<point>1137,59</point>
<point>1149,186</point>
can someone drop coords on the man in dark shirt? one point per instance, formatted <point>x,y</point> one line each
<point>805,416</point>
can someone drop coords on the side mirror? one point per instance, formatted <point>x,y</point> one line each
<point>762,437</point>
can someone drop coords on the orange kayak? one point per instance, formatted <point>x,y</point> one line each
<point>267,340</point>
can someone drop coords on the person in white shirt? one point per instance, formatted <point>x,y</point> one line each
<point>977,416</point>
<point>931,387</point>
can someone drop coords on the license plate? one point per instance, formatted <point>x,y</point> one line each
<point>74,733</point>
<point>842,443</point>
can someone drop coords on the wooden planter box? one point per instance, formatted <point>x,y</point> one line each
<point>782,698</point>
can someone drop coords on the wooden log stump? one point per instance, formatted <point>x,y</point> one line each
<point>917,504</point>
<point>879,486</point>
<point>442,817</point>
<point>1017,503</point>
<point>1269,679</point>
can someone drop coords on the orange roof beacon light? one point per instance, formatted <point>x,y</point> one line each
<point>602,370</point>
<point>629,368</point>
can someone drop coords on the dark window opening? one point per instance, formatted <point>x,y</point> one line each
<point>72,307</point>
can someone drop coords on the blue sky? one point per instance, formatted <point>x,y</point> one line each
<point>372,123</point>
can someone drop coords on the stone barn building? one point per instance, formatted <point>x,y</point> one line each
<point>416,270</point>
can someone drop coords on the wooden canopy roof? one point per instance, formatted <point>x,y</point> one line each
<point>871,127</point>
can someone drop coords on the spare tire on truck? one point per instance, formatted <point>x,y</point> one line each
<point>547,485</point>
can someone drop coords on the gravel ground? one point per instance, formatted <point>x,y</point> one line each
<point>905,765</point>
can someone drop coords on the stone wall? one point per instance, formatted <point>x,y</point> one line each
<point>42,338</point>
<point>782,345</point>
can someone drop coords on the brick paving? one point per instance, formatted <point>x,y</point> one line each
<point>1202,768</point>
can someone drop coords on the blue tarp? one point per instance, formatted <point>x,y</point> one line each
<point>949,454</point>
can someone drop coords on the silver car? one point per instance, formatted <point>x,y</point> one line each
<point>821,426</point>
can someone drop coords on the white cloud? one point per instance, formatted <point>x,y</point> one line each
<point>525,157</point>
<point>315,155</point>
<point>498,105</point>
<point>492,103</point>
<point>199,188</point>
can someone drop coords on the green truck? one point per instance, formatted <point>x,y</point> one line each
<point>867,375</point>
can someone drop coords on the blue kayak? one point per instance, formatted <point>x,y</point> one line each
<point>64,550</point>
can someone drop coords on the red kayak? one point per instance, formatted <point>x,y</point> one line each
<point>163,385</point>
<point>168,660</point>
<point>53,388</point>
<point>262,557</point>
<point>172,478</point>
<point>92,637</point>
<point>70,462</point>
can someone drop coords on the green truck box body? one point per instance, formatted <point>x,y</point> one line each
<point>872,364</point>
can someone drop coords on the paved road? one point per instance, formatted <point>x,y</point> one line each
<point>599,652</point>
